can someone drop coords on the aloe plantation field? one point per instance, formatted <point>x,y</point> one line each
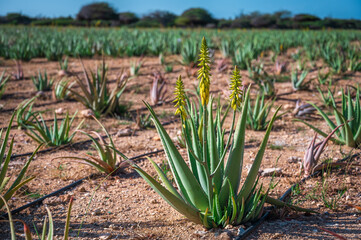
<point>179,133</point>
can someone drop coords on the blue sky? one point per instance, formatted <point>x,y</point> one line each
<point>219,8</point>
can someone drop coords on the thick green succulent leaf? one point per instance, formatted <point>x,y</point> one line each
<point>233,170</point>
<point>186,181</point>
<point>252,175</point>
<point>165,180</point>
<point>11,222</point>
<point>51,225</point>
<point>5,140</point>
<point>324,115</point>
<point>177,203</point>
<point>348,132</point>
<point>323,134</point>
<point>212,149</point>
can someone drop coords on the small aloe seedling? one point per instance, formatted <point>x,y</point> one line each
<point>7,192</point>
<point>354,57</point>
<point>189,53</point>
<point>326,99</point>
<point>135,67</point>
<point>314,152</point>
<point>258,113</point>
<point>107,160</point>
<point>3,82</point>
<point>25,113</point>
<point>166,66</point>
<point>61,89</point>
<point>95,93</point>
<point>42,83</point>
<point>63,64</point>
<point>143,121</point>
<point>349,115</point>
<point>48,224</point>
<point>54,135</point>
<point>298,81</point>
<point>19,74</point>
<point>280,67</point>
<point>324,77</point>
<point>158,91</point>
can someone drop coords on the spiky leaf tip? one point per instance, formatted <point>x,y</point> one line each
<point>235,87</point>
<point>180,98</point>
<point>204,72</point>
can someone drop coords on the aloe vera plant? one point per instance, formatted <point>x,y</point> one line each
<point>314,152</point>
<point>326,99</point>
<point>298,81</point>
<point>208,188</point>
<point>108,160</point>
<point>63,64</point>
<point>258,113</point>
<point>54,135</point>
<point>19,74</point>
<point>48,224</point>
<point>25,113</point>
<point>42,83</point>
<point>135,67</point>
<point>264,81</point>
<point>349,115</point>
<point>324,77</point>
<point>61,89</point>
<point>20,180</point>
<point>354,56</point>
<point>158,90</point>
<point>189,53</point>
<point>334,57</point>
<point>94,93</point>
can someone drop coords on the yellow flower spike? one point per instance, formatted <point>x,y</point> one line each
<point>235,87</point>
<point>204,72</point>
<point>180,98</point>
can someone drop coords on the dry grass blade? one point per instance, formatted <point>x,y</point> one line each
<point>332,233</point>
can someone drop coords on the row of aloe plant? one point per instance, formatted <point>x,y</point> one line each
<point>54,43</point>
<point>5,156</point>
<point>47,232</point>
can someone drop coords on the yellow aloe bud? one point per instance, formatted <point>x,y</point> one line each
<point>203,72</point>
<point>180,98</point>
<point>235,87</point>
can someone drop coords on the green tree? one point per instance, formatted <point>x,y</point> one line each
<point>164,18</point>
<point>127,18</point>
<point>195,17</point>
<point>97,11</point>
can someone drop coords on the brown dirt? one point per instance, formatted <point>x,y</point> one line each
<point>125,207</point>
